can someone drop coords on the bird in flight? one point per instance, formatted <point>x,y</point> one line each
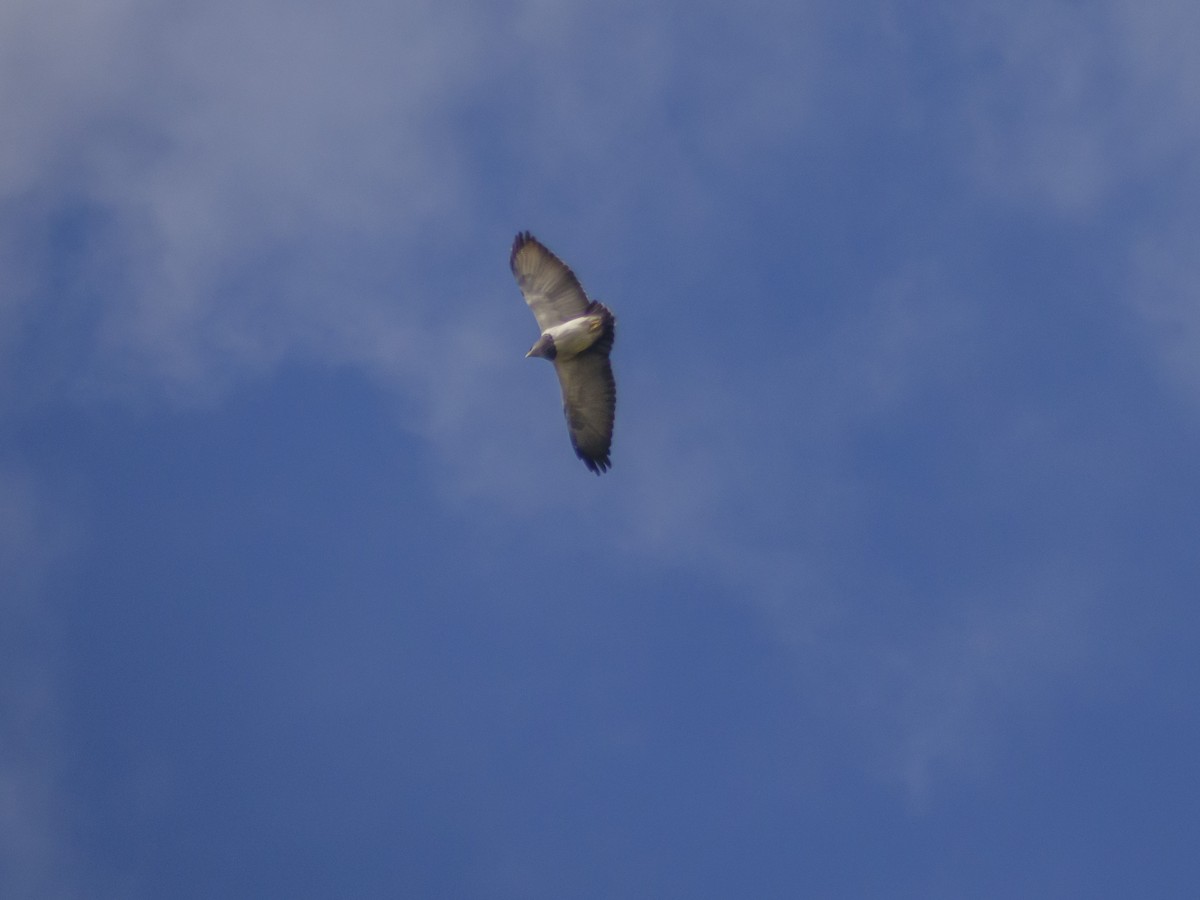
<point>577,336</point>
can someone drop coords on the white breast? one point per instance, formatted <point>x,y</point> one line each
<point>575,336</point>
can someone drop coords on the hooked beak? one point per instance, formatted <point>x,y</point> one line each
<point>543,347</point>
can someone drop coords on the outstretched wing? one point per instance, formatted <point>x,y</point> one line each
<point>590,397</point>
<point>550,288</point>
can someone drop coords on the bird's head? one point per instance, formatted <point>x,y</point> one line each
<point>544,347</point>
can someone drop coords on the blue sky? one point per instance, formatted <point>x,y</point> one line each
<point>891,590</point>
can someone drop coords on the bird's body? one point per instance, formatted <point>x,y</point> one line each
<point>570,338</point>
<point>577,336</point>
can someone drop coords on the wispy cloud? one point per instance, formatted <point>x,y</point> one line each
<point>244,181</point>
<point>1093,117</point>
<point>36,854</point>
<point>1069,109</point>
<point>235,179</point>
<point>216,191</point>
<point>1164,288</point>
<point>1011,651</point>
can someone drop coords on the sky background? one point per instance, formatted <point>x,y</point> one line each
<point>891,591</point>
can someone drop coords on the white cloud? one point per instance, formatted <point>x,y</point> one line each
<point>253,181</point>
<point>242,165</point>
<point>63,68</point>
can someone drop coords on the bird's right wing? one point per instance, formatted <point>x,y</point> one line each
<point>550,288</point>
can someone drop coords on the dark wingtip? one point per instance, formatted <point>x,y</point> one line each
<point>599,465</point>
<point>522,238</point>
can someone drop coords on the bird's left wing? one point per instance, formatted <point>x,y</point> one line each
<point>590,399</point>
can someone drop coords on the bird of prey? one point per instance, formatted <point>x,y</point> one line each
<point>577,336</point>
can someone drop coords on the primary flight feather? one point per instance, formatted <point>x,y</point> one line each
<point>577,336</point>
